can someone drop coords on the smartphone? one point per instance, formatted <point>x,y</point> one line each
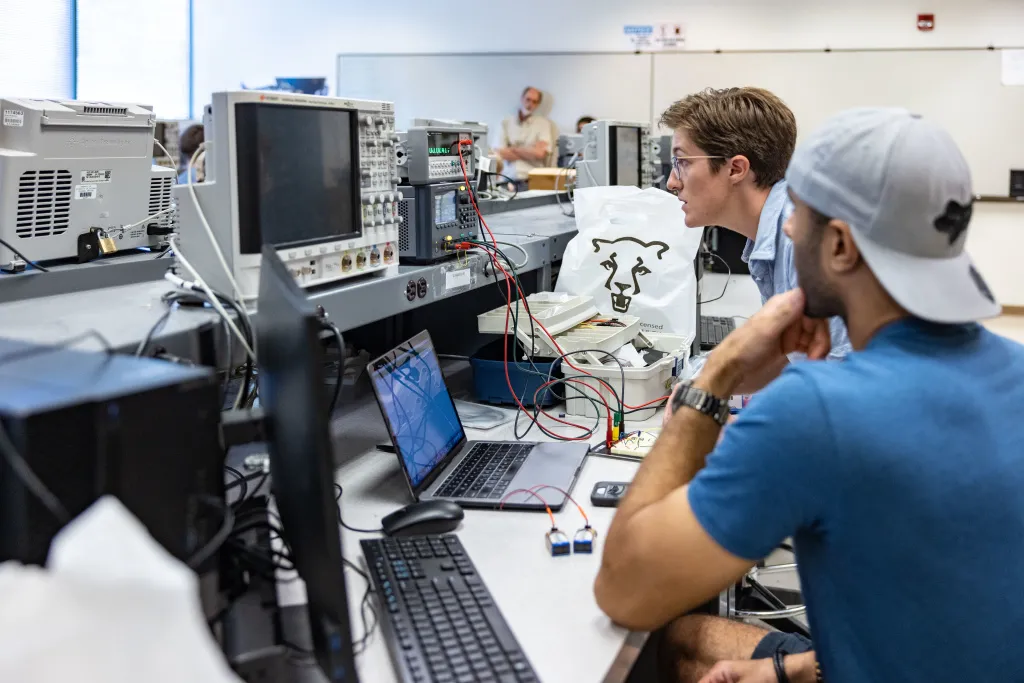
<point>606,494</point>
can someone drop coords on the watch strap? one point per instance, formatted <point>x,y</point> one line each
<point>703,402</point>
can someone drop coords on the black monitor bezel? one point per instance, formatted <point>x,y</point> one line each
<point>302,458</point>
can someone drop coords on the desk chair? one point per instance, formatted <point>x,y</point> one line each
<point>751,599</point>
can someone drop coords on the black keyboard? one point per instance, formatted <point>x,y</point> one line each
<point>713,330</point>
<point>486,471</point>
<point>440,622</point>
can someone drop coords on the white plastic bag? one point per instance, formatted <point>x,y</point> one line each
<point>112,606</point>
<point>634,255</point>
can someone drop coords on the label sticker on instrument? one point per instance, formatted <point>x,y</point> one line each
<point>14,118</point>
<point>86,192</point>
<point>454,279</point>
<point>96,176</point>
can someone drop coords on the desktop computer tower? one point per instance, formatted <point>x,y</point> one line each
<point>90,424</point>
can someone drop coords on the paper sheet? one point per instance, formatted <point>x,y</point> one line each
<point>1013,67</point>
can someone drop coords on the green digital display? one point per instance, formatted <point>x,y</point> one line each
<point>443,144</point>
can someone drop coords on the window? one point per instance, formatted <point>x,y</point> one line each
<point>135,51</point>
<point>35,49</point>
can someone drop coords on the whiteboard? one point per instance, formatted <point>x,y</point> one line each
<point>487,87</point>
<point>959,89</point>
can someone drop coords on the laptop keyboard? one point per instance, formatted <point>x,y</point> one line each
<point>486,471</point>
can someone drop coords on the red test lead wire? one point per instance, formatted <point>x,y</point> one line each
<point>494,258</point>
<point>508,495</point>
<point>586,520</point>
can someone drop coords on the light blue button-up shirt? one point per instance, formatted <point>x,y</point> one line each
<point>770,259</point>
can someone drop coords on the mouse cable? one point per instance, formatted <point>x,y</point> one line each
<point>337,500</point>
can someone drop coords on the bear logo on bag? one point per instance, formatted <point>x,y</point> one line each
<point>627,264</point>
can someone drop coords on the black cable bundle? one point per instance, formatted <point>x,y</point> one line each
<point>199,298</point>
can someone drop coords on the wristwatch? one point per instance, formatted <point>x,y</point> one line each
<point>702,401</point>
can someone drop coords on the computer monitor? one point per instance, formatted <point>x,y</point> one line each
<point>291,361</point>
<point>625,151</point>
<point>314,177</point>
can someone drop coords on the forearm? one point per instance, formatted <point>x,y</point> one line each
<point>676,458</point>
<point>801,668</point>
<point>680,451</point>
<point>648,574</point>
<point>528,153</point>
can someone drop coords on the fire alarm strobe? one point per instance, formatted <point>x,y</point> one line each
<point>925,22</point>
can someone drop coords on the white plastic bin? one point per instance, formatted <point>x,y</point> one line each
<point>642,384</point>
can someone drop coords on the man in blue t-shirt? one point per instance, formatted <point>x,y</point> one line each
<point>896,472</point>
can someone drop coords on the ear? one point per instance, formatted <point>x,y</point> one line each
<point>840,249</point>
<point>738,168</point>
<point>662,248</point>
<point>597,244</point>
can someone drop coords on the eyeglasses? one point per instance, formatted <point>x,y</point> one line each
<point>681,165</point>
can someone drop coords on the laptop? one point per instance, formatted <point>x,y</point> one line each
<point>437,459</point>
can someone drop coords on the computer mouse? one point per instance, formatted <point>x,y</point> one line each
<point>424,517</point>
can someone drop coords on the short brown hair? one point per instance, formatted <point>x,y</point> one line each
<point>734,121</point>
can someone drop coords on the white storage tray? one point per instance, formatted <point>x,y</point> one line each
<point>642,384</point>
<point>568,319</point>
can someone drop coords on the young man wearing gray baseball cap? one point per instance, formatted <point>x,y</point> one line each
<point>896,472</point>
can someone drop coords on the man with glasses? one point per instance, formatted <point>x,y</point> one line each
<point>730,149</point>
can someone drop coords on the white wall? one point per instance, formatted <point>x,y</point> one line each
<point>254,41</point>
<point>996,241</point>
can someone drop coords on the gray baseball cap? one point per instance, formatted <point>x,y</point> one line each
<point>904,188</point>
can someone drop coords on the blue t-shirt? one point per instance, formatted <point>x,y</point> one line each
<point>770,259</point>
<point>899,472</point>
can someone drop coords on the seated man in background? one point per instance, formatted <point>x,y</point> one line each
<point>527,139</point>
<point>730,149</point>
<point>896,472</point>
<point>188,144</point>
<point>582,121</point>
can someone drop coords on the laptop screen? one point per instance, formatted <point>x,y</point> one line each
<point>417,407</point>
